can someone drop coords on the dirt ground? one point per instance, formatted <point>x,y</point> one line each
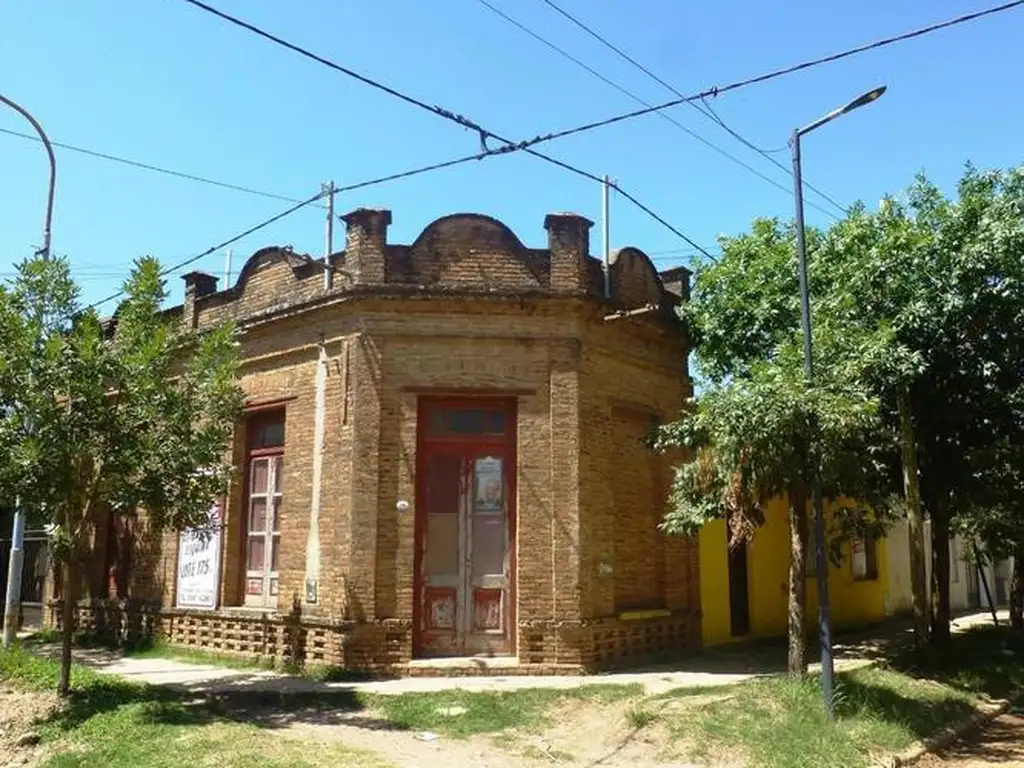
<point>1000,743</point>
<point>581,734</point>
<point>19,712</point>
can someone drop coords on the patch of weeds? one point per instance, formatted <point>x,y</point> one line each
<point>460,714</point>
<point>639,716</point>
<point>45,636</point>
<point>322,673</point>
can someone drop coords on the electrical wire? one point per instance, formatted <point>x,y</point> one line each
<point>224,244</point>
<point>717,118</point>
<point>710,113</point>
<point>525,145</point>
<point>156,168</point>
<point>309,201</point>
<point>509,145</point>
<point>562,52</point>
<point>713,91</point>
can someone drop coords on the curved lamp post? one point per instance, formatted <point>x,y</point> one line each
<point>821,559</point>
<point>12,603</point>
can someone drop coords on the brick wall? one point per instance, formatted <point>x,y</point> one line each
<point>465,308</point>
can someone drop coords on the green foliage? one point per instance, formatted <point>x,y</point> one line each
<point>134,414</point>
<point>926,296</point>
<point>751,439</point>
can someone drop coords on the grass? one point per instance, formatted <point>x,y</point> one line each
<point>779,723</point>
<point>120,724</point>
<point>458,714</point>
<point>769,722</point>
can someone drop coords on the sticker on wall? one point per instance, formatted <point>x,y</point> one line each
<point>489,493</point>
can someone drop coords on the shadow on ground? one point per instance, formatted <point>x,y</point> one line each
<point>924,718</point>
<point>986,659</point>
<point>235,700</point>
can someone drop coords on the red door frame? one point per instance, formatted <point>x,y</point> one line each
<point>424,444</point>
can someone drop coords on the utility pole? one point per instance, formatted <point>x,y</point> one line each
<point>605,229</point>
<point>329,236</point>
<point>227,269</point>
<point>12,602</point>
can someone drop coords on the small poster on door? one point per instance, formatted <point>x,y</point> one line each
<point>489,496</point>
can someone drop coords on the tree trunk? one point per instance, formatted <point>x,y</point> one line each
<point>915,519</point>
<point>67,630</point>
<point>940,571</point>
<point>797,581</point>
<point>1017,586</point>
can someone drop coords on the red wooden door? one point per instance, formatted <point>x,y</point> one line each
<point>465,529</point>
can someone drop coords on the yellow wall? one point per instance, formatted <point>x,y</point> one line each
<point>853,602</point>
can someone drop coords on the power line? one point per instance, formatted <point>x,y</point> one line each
<point>440,111</point>
<point>156,168</point>
<point>525,145</point>
<point>510,146</point>
<point>225,244</point>
<point>309,201</point>
<point>562,52</point>
<point>714,91</point>
<point>710,114</point>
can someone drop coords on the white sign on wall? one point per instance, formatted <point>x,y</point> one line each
<point>199,563</point>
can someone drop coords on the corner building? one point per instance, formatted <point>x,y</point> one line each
<point>442,465</point>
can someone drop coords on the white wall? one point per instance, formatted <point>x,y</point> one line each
<point>962,573</point>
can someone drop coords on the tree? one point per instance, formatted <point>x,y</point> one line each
<point>132,415</point>
<point>756,432</point>
<point>760,437</point>
<point>943,283</point>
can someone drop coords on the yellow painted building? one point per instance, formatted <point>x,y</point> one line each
<point>856,585</point>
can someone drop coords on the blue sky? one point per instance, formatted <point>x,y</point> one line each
<point>167,84</point>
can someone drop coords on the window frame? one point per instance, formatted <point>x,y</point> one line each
<point>273,495</point>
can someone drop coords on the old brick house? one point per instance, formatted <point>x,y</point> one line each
<point>442,457</point>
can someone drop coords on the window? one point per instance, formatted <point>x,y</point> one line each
<point>264,493</point>
<point>864,559</point>
<point>466,422</point>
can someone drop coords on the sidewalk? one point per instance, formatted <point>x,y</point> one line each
<point>713,667</point>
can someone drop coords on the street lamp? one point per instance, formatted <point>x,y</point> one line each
<point>824,624</point>
<point>12,602</point>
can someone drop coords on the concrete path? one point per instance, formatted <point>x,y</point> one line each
<point>714,667</point>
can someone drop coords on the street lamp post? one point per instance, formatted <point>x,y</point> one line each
<point>12,602</point>
<point>821,559</point>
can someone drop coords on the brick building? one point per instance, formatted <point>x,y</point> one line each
<point>442,457</point>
